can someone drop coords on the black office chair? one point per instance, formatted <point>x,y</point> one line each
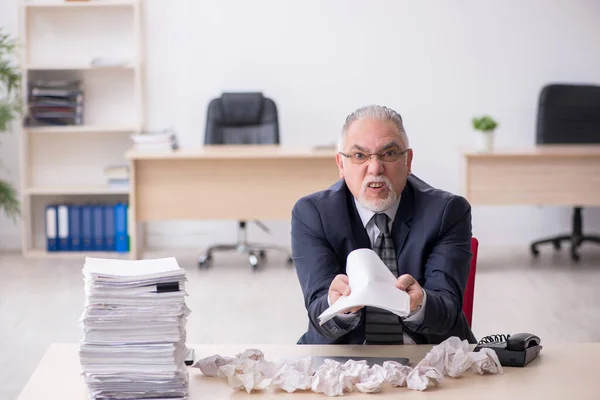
<point>569,114</point>
<point>242,118</point>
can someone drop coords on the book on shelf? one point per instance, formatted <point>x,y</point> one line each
<point>117,176</point>
<point>54,102</point>
<point>109,62</point>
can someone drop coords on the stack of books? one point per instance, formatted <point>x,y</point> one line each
<point>134,325</point>
<point>155,141</point>
<point>55,103</point>
<point>117,176</point>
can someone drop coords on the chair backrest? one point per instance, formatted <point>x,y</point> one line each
<point>242,118</point>
<point>470,289</point>
<point>568,114</point>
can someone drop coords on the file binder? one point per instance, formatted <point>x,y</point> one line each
<point>87,228</point>
<point>51,228</point>
<point>63,227</point>
<point>75,239</point>
<point>98,227</point>
<point>121,231</point>
<point>109,227</point>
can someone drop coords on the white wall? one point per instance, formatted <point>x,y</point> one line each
<point>438,63</point>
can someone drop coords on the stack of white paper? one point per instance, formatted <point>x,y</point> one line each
<point>371,284</point>
<point>134,329</point>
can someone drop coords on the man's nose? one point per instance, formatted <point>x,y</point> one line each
<point>375,165</point>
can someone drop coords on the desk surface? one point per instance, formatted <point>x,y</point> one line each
<point>236,152</point>
<point>546,150</point>
<point>562,371</point>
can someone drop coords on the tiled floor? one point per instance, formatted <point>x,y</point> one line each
<point>41,301</point>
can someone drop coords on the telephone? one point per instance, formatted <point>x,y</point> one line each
<point>513,350</point>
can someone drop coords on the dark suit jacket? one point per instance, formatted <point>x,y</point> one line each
<point>432,238</point>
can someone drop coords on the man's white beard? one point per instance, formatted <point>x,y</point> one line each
<point>377,205</point>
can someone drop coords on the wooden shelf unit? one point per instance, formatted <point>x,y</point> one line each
<point>65,164</point>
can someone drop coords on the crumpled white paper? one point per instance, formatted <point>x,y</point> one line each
<point>486,360</point>
<point>250,371</point>
<point>333,378</point>
<point>396,373</point>
<point>294,375</point>
<point>421,377</point>
<point>440,356</point>
<point>247,371</point>
<point>210,365</point>
<point>453,358</point>
<point>330,380</point>
<point>371,379</point>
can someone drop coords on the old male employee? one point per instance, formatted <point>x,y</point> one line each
<point>422,234</point>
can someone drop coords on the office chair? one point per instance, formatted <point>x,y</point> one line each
<point>242,118</point>
<point>470,288</point>
<point>568,114</point>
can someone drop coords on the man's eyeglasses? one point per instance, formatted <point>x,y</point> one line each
<point>359,157</point>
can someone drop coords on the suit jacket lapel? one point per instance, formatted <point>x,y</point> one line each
<point>359,233</point>
<point>401,226</point>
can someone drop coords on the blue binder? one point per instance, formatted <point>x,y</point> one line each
<point>75,239</point>
<point>98,227</point>
<point>121,235</point>
<point>51,226</point>
<point>109,227</point>
<point>87,228</point>
<point>63,227</point>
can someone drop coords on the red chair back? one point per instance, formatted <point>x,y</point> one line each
<point>470,289</point>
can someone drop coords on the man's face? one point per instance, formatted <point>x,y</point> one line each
<point>375,183</point>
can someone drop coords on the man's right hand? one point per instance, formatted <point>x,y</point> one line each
<point>338,288</point>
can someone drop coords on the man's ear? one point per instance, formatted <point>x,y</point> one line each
<point>340,164</point>
<point>409,158</point>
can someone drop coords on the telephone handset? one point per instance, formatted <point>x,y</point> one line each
<point>513,350</point>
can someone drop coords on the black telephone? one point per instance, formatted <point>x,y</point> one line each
<point>513,350</point>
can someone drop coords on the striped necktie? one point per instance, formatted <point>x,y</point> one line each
<point>383,327</point>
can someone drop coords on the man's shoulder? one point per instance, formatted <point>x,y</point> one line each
<point>334,194</point>
<point>427,196</point>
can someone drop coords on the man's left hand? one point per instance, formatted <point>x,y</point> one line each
<point>407,283</point>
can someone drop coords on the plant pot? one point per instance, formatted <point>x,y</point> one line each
<point>485,141</point>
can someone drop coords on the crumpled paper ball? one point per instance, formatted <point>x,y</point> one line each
<point>294,375</point>
<point>396,373</point>
<point>210,365</point>
<point>247,371</point>
<point>453,358</point>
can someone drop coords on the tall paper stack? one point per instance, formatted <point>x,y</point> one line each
<point>134,329</point>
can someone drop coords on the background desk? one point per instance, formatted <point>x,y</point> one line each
<point>224,182</point>
<point>560,372</point>
<point>542,175</point>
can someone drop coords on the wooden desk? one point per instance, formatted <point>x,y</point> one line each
<point>543,175</point>
<point>562,371</point>
<point>224,182</point>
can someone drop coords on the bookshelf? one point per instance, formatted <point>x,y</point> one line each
<point>98,43</point>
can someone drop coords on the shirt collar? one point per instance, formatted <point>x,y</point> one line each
<point>366,215</point>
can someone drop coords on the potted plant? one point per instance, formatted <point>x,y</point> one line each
<point>10,108</point>
<point>486,125</point>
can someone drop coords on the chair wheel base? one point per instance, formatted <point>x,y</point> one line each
<point>254,261</point>
<point>575,256</point>
<point>534,251</point>
<point>204,261</point>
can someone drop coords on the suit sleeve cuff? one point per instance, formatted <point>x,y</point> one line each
<point>343,318</point>
<point>418,317</point>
